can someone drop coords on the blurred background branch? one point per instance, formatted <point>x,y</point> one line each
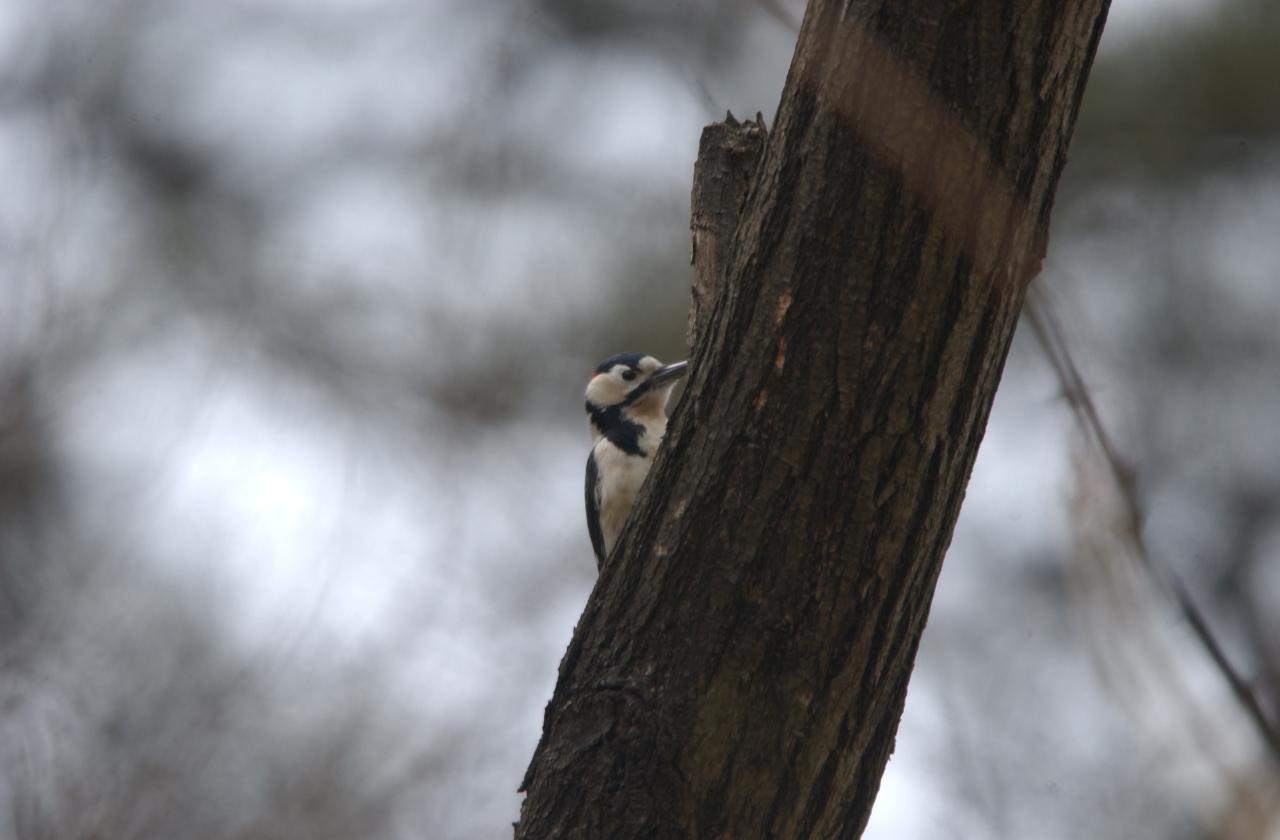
<point>1135,605</point>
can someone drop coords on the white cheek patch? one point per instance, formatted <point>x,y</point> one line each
<point>602,390</point>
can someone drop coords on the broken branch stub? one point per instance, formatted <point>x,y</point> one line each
<point>727,157</point>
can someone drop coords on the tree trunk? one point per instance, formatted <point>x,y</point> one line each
<point>741,666</point>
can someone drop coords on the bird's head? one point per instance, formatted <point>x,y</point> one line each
<point>634,383</point>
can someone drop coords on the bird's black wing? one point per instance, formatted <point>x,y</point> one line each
<point>593,509</point>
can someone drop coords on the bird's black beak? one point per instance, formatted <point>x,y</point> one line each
<point>657,380</point>
<point>667,373</point>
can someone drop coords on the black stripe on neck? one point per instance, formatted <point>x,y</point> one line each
<point>621,431</point>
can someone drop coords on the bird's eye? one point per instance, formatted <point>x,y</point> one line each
<point>628,375</point>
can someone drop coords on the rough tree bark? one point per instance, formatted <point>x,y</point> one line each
<point>740,669</point>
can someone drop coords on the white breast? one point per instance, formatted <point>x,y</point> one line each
<point>620,477</point>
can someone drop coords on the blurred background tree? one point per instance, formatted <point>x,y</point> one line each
<point>299,300</point>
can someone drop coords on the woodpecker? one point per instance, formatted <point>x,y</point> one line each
<point>627,411</point>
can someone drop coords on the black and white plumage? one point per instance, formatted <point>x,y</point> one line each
<point>627,411</point>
